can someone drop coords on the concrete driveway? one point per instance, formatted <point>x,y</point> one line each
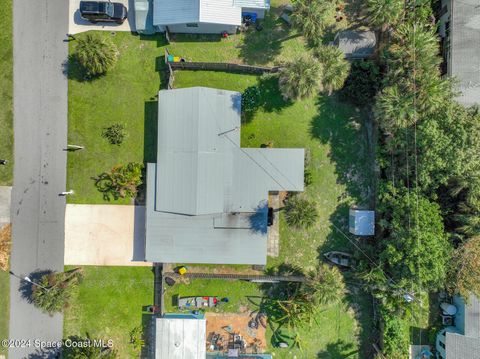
<point>5,199</point>
<point>76,24</point>
<point>109,235</point>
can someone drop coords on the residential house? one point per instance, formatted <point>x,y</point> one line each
<point>459,28</point>
<point>462,340</point>
<point>205,16</point>
<point>207,197</point>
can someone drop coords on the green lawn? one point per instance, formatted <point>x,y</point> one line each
<point>4,307</point>
<point>109,303</point>
<point>6,89</point>
<point>236,291</point>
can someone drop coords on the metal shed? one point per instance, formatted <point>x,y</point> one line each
<point>362,222</point>
<point>180,338</point>
<point>356,44</point>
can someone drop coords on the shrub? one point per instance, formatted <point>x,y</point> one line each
<point>121,181</point>
<point>115,134</point>
<point>250,99</point>
<point>54,290</point>
<point>362,84</point>
<point>96,54</point>
<point>300,212</point>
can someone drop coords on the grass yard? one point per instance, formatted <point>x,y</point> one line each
<point>236,291</point>
<point>6,89</point>
<point>109,303</point>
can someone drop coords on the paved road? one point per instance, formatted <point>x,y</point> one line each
<point>40,125</point>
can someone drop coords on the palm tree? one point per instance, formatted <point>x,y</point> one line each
<point>53,290</point>
<point>395,107</point>
<point>335,68</point>
<point>89,351</point>
<point>300,212</point>
<point>301,78</point>
<point>312,17</point>
<point>96,54</point>
<point>385,13</point>
<point>324,286</point>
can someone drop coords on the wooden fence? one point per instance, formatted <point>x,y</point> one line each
<point>222,66</point>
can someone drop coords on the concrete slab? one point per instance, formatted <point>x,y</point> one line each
<point>77,25</point>
<point>5,200</point>
<point>105,235</point>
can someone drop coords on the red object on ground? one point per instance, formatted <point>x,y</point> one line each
<point>224,34</point>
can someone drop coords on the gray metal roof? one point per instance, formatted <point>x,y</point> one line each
<point>356,43</point>
<point>254,4</point>
<point>178,338</point>
<point>207,196</point>
<point>465,49</point>
<point>467,319</point>
<point>459,346</point>
<point>361,222</point>
<point>170,12</point>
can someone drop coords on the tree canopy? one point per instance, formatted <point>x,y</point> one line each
<point>414,247</point>
<point>313,17</point>
<point>335,67</point>
<point>464,276</point>
<point>301,78</point>
<point>96,54</point>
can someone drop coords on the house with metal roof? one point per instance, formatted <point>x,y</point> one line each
<point>205,16</point>
<point>462,340</point>
<point>459,28</point>
<point>207,197</point>
<point>361,222</point>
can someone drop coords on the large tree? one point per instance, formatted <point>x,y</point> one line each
<point>313,17</point>
<point>464,275</point>
<point>385,13</point>
<point>414,247</point>
<point>335,67</point>
<point>96,54</point>
<point>301,78</point>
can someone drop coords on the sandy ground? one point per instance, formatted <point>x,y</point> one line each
<point>76,24</point>
<point>105,235</point>
<point>239,323</point>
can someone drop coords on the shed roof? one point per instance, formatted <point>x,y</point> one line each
<point>169,12</point>
<point>207,196</point>
<point>255,4</point>
<point>178,338</point>
<point>356,43</point>
<point>459,346</point>
<point>361,222</point>
<point>465,49</point>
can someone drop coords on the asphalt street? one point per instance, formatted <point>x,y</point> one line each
<point>40,125</point>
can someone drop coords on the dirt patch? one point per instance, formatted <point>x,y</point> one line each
<point>5,243</point>
<point>218,324</point>
<point>218,269</point>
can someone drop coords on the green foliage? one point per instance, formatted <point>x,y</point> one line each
<point>115,134</point>
<point>325,286</point>
<point>250,99</point>
<point>90,350</point>
<point>54,290</point>
<point>313,17</point>
<point>362,84</point>
<point>335,67</point>
<point>121,181</point>
<point>414,247</point>
<point>464,275</point>
<point>300,212</point>
<point>395,336</point>
<point>301,78</point>
<point>136,338</point>
<point>385,13</point>
<point>97,54</point>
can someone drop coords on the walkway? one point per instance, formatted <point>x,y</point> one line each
<point>105,235</point>
<point>40,127</point>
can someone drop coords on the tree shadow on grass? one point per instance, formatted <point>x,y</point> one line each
<point>347,130</point>
<point>338,350</point>
<point>261,47</point>
<point>195,37</point>
<point>270,98</point>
